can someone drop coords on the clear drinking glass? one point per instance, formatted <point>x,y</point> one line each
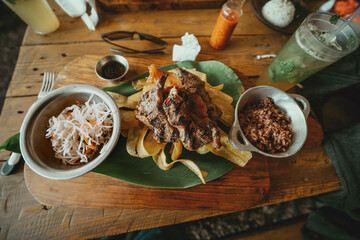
<point>36,13</point>
<point>305,54</point>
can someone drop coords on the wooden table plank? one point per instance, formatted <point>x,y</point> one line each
<point>34,60</point>
<point>290,179</point>
<point>12,115</point>
<point>158,23</point>
<point>311,171</point>
<point>144,5</point>
<point>310,174</point>
<point>199,22</point>
<point>240,189</point>
<point>22,217</point>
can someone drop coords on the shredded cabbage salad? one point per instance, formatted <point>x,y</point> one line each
<point>79,131</point>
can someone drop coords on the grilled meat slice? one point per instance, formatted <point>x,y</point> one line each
<point>193,84</point>
<point>192,134</point>
<point>206,132</point>
<point>149,111</point>
<point>186,114</point>
<point>215,134</point>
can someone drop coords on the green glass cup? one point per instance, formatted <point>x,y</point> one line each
<point>305,53</point>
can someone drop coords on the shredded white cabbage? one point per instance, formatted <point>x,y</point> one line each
<point>79,131</point>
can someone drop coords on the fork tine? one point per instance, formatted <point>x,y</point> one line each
<point>44,82</point>
<point>52,81</point>
<point>47,82</point>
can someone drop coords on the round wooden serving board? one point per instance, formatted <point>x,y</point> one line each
<point>237,190</point>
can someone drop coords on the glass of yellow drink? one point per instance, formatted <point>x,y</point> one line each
<point>36,13</point>
<point>310,49</point>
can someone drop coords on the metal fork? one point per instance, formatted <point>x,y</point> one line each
<point>47,86</point>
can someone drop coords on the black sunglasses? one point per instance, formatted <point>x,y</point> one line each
<point>117,35</point>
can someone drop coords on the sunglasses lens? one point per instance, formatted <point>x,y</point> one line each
<point>153,39</point>
<point>118,35</point>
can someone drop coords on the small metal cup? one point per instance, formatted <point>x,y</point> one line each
<point>293,105</point>
<point>118,58</point>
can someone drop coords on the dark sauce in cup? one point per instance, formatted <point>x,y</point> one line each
<point>112,70</point>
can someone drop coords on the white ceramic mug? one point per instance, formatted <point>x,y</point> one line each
<point>77,8</point>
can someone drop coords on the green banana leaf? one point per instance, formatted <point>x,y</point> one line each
<point>143,171</point>
<point>12,144</point>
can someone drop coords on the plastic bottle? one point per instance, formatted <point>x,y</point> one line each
<point>226,22</point>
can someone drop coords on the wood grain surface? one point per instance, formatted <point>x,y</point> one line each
<point>82,71</point>
<point>240,55</point>
<point>145,5</point>
<point>238,190</point>
<point>199,22</point>
<point>309,174</point>
<point>22,217</point>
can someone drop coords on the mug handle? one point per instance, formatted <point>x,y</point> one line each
<point>233,137</point>
<point>304,106</point>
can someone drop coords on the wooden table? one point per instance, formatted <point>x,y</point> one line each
<point>22,217</point>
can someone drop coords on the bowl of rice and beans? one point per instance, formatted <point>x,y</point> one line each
<point>270,122</point>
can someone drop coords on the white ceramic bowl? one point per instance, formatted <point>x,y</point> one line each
<point>37,150</point>
<point>293,105</point>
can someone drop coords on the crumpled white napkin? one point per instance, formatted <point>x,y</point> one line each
<point>189,49</point>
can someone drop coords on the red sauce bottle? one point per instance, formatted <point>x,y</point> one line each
<point>226,23</point>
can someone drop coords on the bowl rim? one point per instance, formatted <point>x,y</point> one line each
<point>116,57</point>
<point>248,146</point>
<point>47,171</point>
